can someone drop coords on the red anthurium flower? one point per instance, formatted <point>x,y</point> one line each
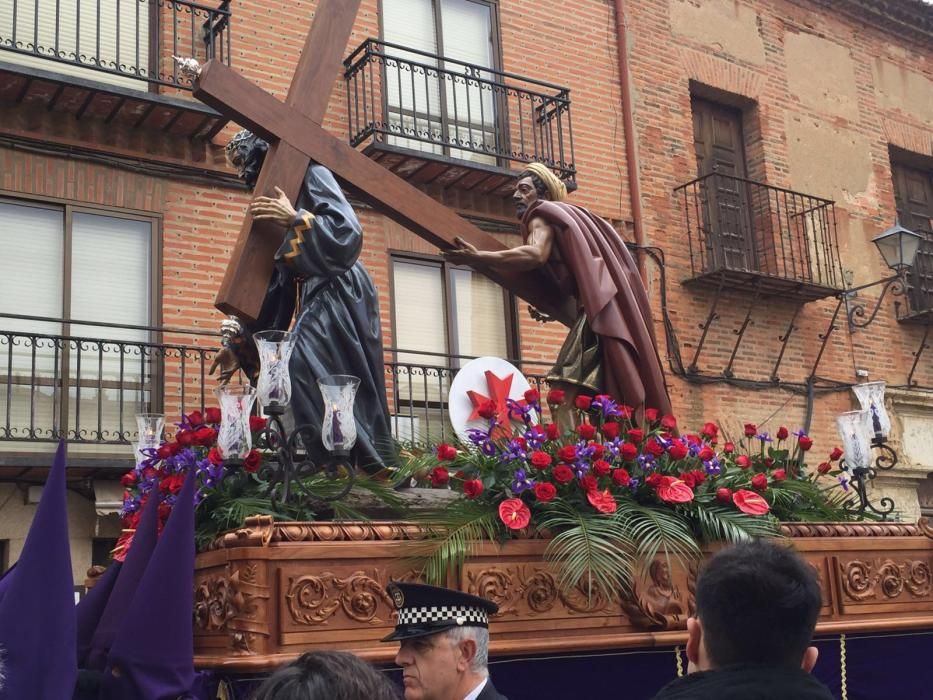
<point>674,490</point>
<point>779,475</point>
<point>601,467</point>
<point>743,462</point>
<point>472,488</point>
<point>252,461</point>
<point>583,402</point>
<point>567,453</point>
<point>446,452</point>
<point>724,495</point>
<point>610,430</point>
<point>545,491</point>
<point>751,430</point>
<point>835,454</point>
<point>781,433</point>
<point>562,474</point>
<point>750,502</point>
<point>586,431</point>
<point>805,442</point>
<point>668,422</point>
<point>824,468</point>
<point>651,414</point>
<point>555,396</point>
<point>760,482</point>
<point>589,483</point>
<point>439,476</point>
<point>628,451</point>
<point>540,459</point>
<point>532,396</point>
<point>212,415</point>
<point>514,513</point>
<point>602,501</point>
<point>620,477</point>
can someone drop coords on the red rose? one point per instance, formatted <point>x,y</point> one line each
<point>653,479</point>
<point>743,462</point>
<point>439,476</point>
<point>150,473</point>
<point>601,467</point>
<point>781,433</point>
<point>514,513</point>
<point>694,439</point>
<point>562,474</point>
<point>532,396</point>
<point>472,488</point>
<point>552,431</point>
<point>699,476</point>
<point>673,490</point>
<point>779,475</point>
<point>195,419</point>
<point>626,411</point>
<point>688,479</point>
<point>446,452</point>
<point>540,459</point>
<point>129,479</point>
<point>567,453</point>
<point>835,454</point>
<point>805,442</point>
<point>252,461</point>
<point>769,462</point>
<point>654,447</point>
<point>589,483</point>
<point>257,423</point>
<point>172,483</point>
<point>521,442</point>
<point>166,450</point>
<point>751,430</point>
<point>545,492</point>
<point>583,402</point>
<point>598,450</point>
<point>488,410</point>
<point>723,495</point>
<point>131,521</point>
<point>728,448</point>
<point>610,430</point>
<point>651,414</point>
<point>635,434</point>
<point>710,430</point>
<point>620,477</point>
<point>205,436</point>
<point>750,502</point>
<point>760,482</point>
<point>706,454</point>
<point>185,438</point>
<point>824,468</point>
<point>212,415</point>
<point>555,396</point>
<point>586,431</point>
<point>668,422</point>
<point>628,451</point>
<point>164,511</point>
<point>602,501</point>
<point>678,450</point>
<point>214,456</point>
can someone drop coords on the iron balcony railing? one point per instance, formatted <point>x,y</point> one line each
<point>920,281</point>
<point>735,224</point>
<point>434,104</point>
<point>88,388</point>
<point>131,39</point>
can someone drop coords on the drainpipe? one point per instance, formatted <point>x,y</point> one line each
<point>628,131</point>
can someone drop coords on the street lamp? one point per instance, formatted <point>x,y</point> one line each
<point>898,246</point>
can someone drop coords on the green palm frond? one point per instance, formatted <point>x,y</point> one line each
<point>720,523</point>
<point>806,500</point>
<point>659,530</point>
<point>591,551</point>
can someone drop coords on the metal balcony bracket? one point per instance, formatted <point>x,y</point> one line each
<point>824,337</point>
<point>712,316</point>
<point>740,331</point>
<point>785,339</point>
<point>917,354</point>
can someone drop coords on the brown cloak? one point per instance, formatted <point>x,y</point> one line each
<point>594,265</point>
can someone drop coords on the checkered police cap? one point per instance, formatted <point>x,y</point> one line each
<point>424,610</point>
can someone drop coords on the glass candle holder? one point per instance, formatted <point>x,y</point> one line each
<point>274,388</point>
<point>234,439</point>
<point>338,432</point>
<point>149,427</point>
<point>870,396</point>
<point>855,429</point>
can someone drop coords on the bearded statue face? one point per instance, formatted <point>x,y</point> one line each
<point>246,152</point>
<point>526,193</point>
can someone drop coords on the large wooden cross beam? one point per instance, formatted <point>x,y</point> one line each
<point>296,137</point>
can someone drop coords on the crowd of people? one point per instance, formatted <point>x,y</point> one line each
<point>756,609</point>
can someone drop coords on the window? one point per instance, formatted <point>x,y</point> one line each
<point>443,315</point>
<point>64,264</point>
<point>436,95</point>
<point>913,195</point>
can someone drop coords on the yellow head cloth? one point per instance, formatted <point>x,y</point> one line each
<point>555,186</point>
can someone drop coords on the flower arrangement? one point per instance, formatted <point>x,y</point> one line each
<point>615,490</point>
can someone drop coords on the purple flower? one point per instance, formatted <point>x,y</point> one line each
<point>713,467</point>
<point>800,433</point>
<point>844,482</point>
<point>514,451</point>
<point>613,446</point>
<point>646,461</point>
<point>488,448</point>
<point>633,484</point>
<point>521,482</point>
<point>516,410</point>
<point>609,408</point>
<point>764,437</point>
<point>478,436</point>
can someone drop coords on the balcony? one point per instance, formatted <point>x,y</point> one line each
<point>747,235</point>
<point>88,388</point>
<point>435,120</point>
<point>112,59</point>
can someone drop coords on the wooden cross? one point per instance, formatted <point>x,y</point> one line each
<point>296,137</point>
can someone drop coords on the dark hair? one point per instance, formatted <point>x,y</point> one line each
<point>327,675</point>
<point>251,151</point>
<point>541,188</point>
<point>758,603</point>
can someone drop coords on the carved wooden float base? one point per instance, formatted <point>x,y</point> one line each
<point>270,591</point>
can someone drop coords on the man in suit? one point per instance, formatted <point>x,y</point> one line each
<point>444,638</point>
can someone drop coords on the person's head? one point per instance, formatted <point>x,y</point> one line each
<point>326,675</point>
<point>444,665</point>
<point>444,637</point>
<point>756,603</point>
<point>246,152</point>
<point>536,182</point>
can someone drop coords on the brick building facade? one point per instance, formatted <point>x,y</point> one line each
<point>795,102</point>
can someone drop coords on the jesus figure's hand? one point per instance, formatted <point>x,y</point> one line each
<point>464,254</point>
<point>279,209</point>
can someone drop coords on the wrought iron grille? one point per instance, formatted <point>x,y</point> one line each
<point>920,279</point>
<point>735,224</point>
<point>132,39</point>
<point>434,104</point>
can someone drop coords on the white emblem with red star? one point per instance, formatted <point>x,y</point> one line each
<point>483,380</point>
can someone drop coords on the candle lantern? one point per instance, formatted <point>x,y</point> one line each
<point>234,439</point>
<point>149,428</point>
<point>338,431</point>
<point>871,398</point>
<point>274,388</point>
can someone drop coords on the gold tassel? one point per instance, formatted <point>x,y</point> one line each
<point>842,667</point>
<point>680,662</point>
